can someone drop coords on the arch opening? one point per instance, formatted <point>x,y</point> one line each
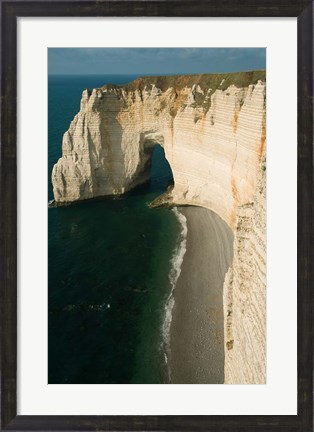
<point>161,176</point>
<point>156,168</point>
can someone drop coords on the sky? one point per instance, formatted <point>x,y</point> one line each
<point>153,61</point>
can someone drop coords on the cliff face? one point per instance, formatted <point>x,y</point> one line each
<point>245,292</point>
<point>212,131</point>
<point>212,128</point>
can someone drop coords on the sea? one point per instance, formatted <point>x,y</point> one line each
<point>112,268</point>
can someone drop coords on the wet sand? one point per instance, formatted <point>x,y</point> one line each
<point>197,333</point>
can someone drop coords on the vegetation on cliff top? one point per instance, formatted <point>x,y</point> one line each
<point>213,81</point>
<point>209,83</point>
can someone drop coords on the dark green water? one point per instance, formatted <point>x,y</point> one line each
<point>108,269</point>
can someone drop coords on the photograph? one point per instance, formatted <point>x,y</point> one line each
<point>156,215</point>
<point>156,210</point>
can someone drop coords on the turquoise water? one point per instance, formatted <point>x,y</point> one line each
<point>108,269</point>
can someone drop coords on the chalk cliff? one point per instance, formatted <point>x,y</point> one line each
<point>212,128</point>
<point>245,292</point>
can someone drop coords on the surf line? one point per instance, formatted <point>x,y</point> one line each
<point>176,263</point>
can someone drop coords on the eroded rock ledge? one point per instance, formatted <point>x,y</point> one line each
<point>212,128</point>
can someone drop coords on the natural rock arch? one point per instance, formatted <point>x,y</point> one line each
<point>213,142</point>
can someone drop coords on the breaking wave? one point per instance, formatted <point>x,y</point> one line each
<point>176,263</point>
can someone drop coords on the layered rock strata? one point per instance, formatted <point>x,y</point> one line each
<point>212,128</point>
<point>245,292</point>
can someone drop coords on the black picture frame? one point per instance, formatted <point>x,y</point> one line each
<point>10,10</point>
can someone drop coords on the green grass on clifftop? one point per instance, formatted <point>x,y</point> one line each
<point>206,81</point>
<point>214,81</point>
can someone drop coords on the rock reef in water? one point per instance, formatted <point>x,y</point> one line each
<point>212,128</point>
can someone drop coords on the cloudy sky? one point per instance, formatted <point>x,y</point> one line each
<point>153,61</point>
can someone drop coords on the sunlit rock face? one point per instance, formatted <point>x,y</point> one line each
<point>212,128</point>
<point>212,131</point>
<point>245,292</point>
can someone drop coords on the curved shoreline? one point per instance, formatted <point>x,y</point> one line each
<point>197,327</point>
<point>176,265</point>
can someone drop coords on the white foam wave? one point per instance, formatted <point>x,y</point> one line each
<point>176,263</point>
